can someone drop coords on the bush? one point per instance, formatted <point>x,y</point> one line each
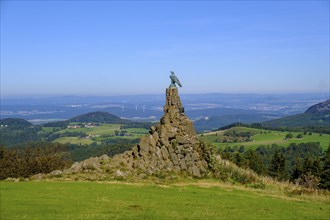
<point>33,159</point>
<point>288,136</point>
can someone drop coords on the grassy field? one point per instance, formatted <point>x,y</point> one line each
<point>265,137</point>
<point>105,131</point>
<point>73,140</point>
<point>92,200</point>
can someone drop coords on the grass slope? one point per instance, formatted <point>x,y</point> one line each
<point>92,200</point>
<point>265,137</point>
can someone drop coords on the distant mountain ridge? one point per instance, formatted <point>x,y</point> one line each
<point>323,107</point>
<point>315,116</point>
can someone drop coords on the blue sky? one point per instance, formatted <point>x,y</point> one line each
<point>114,48</point>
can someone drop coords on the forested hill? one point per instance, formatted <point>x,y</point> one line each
<point>14,122</point>
<point>91,117</point>
<point>99,117</point>
<point>315,116</point>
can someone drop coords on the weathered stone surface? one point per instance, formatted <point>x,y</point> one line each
<point>195,171</point>
<point>164,152</point>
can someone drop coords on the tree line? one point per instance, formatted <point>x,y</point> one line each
<point>305,164</point>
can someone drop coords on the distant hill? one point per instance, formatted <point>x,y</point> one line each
<point>323,107</point>
<point>16,130</point>
<point>214,122</point>
<point>315,116</point>
<point>98,117</point>
<point>92,117</point>
<point>14,122</point>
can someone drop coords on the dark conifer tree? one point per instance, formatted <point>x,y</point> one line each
<point>312,166</point>
<point>254,161</point>
<point>277,166</point>
<point>297,170</point>
<point>325,174</point>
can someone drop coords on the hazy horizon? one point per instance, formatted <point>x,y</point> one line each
<point>163,94</point>
<point>107,48</point>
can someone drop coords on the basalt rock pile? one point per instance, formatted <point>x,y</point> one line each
<point>171,146</point>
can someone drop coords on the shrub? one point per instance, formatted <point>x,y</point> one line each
<point>288,136</point>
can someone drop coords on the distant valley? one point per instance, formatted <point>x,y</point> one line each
<point>209,111</point>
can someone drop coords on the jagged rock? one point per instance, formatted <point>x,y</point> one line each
<point>164,152</point>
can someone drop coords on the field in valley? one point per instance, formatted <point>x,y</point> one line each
<point>118,200</point>
<point>98,134</point>
<point>265,137</point>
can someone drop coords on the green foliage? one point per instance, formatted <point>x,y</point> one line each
<point>288,136</point>
<point>300,160</point>
<point>277,166</point>
<point>297,170</point>
<point>325,174</point>
<point>33,158</point>
<point>14,123</point>
<point>13,135</point>
<point>254,162</point>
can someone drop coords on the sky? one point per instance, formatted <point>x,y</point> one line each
<point>130,47</point>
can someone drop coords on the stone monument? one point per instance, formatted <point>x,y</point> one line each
<point>170,146</point>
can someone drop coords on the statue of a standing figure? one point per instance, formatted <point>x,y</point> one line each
<point>174,80</point>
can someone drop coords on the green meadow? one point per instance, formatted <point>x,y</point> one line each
<point>98,130</point>
<point>266,137</point>
<point>105,131</point>
<point>117,200</point>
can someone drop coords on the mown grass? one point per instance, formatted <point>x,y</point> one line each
<point>265,137</point>
<point>93,200</point>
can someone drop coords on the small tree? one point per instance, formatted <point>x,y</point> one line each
<point>288,136</point>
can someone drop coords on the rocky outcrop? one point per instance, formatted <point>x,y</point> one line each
<point>171,146</point>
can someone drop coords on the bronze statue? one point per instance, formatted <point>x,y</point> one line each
<point>174,80</point>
